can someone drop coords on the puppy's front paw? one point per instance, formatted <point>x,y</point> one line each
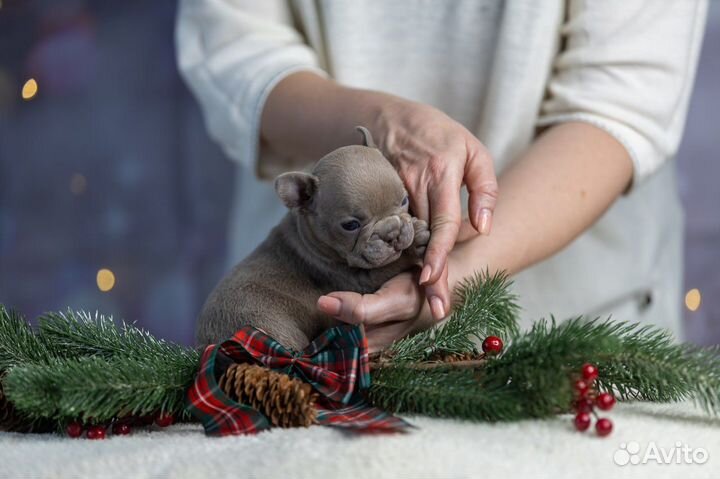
<point>422,238</point>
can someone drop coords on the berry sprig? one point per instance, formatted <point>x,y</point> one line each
<point>587,399</point>
<point>119,426</point>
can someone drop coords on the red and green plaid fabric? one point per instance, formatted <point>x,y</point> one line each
<point>335,365</point>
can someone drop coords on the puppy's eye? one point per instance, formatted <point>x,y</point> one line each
<point>351,225</point>
<point>405,201</point>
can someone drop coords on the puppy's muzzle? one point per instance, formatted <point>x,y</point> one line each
<point>390,236</point>
<point>397,232</point>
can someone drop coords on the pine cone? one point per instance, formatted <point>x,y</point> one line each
<point>286,401</point>
<point>12,420</point>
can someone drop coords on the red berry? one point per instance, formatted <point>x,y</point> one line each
<point>74,429</point>
<point>605,401</point>
<point>121,428</point>
<point>582,421</point>
<point>164,420</point>
<point>581,387</point>
<point>583,404</point>
<point>96,432</point>
<point>589,372</point>
<point>492,345</point>
<point>603,427</point>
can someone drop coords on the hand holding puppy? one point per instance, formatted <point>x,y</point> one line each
<point>435,156</point>
<point>307,115</point>
<point>347,228</point>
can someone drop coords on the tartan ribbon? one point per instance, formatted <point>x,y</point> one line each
<point>335,365</point>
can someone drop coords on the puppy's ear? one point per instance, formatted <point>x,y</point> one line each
<point>367,137</point>
<point>296,189</point>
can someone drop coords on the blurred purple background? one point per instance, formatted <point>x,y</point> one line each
<point>109,166</point>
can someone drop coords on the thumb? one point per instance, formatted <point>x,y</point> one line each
<point>343,305</point>
<point>393,302</point>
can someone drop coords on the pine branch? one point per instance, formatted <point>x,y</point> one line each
<point>533,377</point>
<point>635,361</point>
<point>82,366</point>
<point>653,368</point>
<point>14,421</point>
<point>18,342</point>
<point>97,388</point>
<point>485,307</point>
<point>82,334</point>
<point>459,394</point>
<point>79,365</point>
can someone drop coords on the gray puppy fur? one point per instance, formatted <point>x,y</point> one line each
<point>348,229</point>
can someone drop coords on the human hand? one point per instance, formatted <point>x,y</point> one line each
<point>392,312</point>
<point>435,156</point>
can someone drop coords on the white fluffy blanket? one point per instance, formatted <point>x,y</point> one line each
<point>437,449</point>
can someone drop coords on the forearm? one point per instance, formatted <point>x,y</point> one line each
<point>563,183</point>
<point>307,116</point>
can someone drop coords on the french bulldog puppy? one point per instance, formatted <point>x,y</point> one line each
<point>348,229</point>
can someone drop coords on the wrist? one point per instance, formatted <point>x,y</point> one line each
<point>379,113</point>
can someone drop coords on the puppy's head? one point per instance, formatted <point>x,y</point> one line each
<point>354,205</point>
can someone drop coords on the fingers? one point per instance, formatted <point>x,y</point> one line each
<point>398,299</point>
<point>438,296</point>
<point>444,224</point>
<point>355,308</point>
<point>419,202</point>
<point>482,187</point>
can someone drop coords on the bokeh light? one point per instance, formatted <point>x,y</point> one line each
<point>693,298</point>
<point>105,280</point>
<point>78,184</point>
<point>29,89</point>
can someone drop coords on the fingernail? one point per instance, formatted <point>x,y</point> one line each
<point>476,220</point>
<point>438,310</point>
<point>485,221</point>
<point>330,305</point>
<point>425,274</point>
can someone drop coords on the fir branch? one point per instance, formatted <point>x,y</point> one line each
<point>533,377</point>
<point>83,366</point>
<point>485,307</point>
<point>635,361</point>
<point>100,389</point>
<point>18,342</point>
<point>458,393</point>
<point>82,334</point>
<point>654,368</point>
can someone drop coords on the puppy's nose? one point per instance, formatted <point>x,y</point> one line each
<point>389,228</point>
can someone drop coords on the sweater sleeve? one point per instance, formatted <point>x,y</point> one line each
<point>231,54</point>
<point>627,67</point>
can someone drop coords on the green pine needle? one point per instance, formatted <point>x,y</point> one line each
<point>100,389</point>
<point>485,307</point>
<point>82,366</point>
<point>82,334</point>
<point>533,376</point>
<point>460,394</point>
<point>18,342</point>
<point>635,361</point>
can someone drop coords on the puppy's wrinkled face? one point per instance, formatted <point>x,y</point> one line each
<point>354,205</point>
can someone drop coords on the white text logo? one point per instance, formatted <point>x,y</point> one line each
<point>632,454</point>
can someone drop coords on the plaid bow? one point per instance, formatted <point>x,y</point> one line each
<point>335,365</point>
